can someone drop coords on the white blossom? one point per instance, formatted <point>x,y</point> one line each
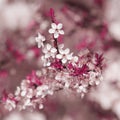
<point>40,39</point>
<point>30,93</point>
<point>26,102</point>
<point>64,55</point>
<point>41,91</point>
<point>56,30</point>
<point>95,78</point>
<point>49,51</point>
<point>10,104</point>
<point>73,59</point>
<point>46,62</point>
<point>23,93</point>
<point>81,88</point>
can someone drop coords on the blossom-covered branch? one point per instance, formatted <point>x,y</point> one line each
<point>61,70</point>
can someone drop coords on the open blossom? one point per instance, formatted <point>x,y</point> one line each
<point>40,39</point>
<point>49,51</point>
<point>10,104</point>
<point>46,62</point>
<point>56,30</point>
<point>64,55</point>
<point>74,59</point>
<point>95,78</point>
<point>43,91</point>
<point>81,89</point>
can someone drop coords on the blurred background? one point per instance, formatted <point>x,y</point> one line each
<point>92,24</point>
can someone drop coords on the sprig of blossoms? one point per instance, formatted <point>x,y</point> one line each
<point>61,70</point>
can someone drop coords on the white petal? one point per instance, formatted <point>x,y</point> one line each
<point>59,56</point>
<point>66,51</point>
<point>48,63</point>
<point>43,38</point>
<point>17,92</point>
<point>39,35</point>
<point>67,84</point>
<point>41,106</point>
<point>23,93</point>
<point>75,58</point>
<point>58,76</point>
<point>36,39</point>
<point>53,50</point>
<point>59,26</point>
<point>69,57</point>
<point>61,51</point>
<point>27,102</point>
<point>56,35</point>
<point>97,82</point>
<point>42,44</point>
<point>45,50</point>
<point>39,45</point>
<point>13,104</point>
<point>51,31</point>
<point>53,55</point>
<point>61,46</point>
<point>53,25</point>
<point>64,60</point>
<point>61,32</point>
<point>48,46</point>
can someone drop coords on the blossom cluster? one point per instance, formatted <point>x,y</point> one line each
<point>61,70</point>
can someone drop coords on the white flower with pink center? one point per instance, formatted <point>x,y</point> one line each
<point>64,55</point>
<point>56,30</point>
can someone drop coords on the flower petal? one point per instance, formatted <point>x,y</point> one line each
<point>51,31</point>
<point>39,35</point>
<point>56,35</point>
<point>59,26</point>
<point>61,46</point>
<point>75,58</point>
<point>61,51</point>
<point>64,60</point>
<point>53,50</point>
<point>53,25</point>
<point>66,51</point>
<point>23,93</point>
<point>69,57</point>
<point>59,56</point>
<point>61,32</point>
<point>44,50</point>
<point>48,46</point>
<point>43,38</point>
<point>39,45</point>
<point>47,55</point>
